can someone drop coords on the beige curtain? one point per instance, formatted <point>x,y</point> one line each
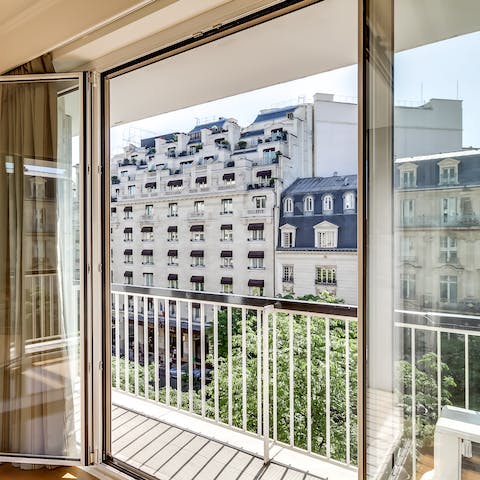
<point>33,396</point>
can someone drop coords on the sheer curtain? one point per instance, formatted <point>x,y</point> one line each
<point>36,392</point>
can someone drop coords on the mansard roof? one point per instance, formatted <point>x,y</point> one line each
<point>150,142</point>
<point>428,168</point>
<point>305,229</point>
<point>218,123</point>
<point>274,113</point>
<point>315,185</point>
<point>252,133</point>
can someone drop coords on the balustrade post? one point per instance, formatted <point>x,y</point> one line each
<point>267,311</point>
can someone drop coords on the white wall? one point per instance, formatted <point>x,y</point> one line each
<point>304,263</point>
<point>431,128</point>
<point>434,127</point>
<point>335,136</point>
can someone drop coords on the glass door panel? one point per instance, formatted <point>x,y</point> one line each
<point>423,237</point>
<point>41,269</point>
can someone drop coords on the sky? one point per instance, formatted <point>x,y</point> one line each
<point>447,69</point>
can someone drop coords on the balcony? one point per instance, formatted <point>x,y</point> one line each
<point>260,212</point>
<point>227,186</point>
<point>196,215</point>
<point>441,221</point>
<point>242,388</point>
<point>256,186</point>
<point>248,391</point>
<point>147,218</point>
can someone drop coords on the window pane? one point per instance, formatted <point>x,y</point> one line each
<point>41,263</point>
<point>422,326</point>
<point>252,192</point>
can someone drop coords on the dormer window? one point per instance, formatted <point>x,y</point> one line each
<point>308,205</point>
<point>448,171</point>
<point>408,175</point>
<point>328,204</point>
<point>287,236</point>
<point>349,202</point>
<point>288,206</point>
<point>326,235</point>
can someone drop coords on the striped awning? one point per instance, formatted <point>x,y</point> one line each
<point>264,173</point>
<point>175,183</point>
<point>256,226</point>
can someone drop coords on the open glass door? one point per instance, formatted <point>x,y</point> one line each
<point>42,269</point>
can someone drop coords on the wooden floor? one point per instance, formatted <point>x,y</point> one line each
<point>168,452</point>
<point>7,472</point>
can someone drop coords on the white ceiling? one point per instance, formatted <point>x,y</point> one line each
<point>29,28</point>
<point>80,32</point>
<point>315,39</point>
<point>104,33</point>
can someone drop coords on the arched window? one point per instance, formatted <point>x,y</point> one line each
<point>308,204</point>
<point>349,201</point>
<point>288,205</point>
<point>327,204</point>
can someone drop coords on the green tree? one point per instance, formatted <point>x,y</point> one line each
<point>426,396</point>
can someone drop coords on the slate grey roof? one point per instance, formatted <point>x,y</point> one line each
<point>321,184</point>
<point>150,142</point>
<point>428,171</point>
<point>274,113</point>
<point>218,123</point>
<point>252,133</point>
<point>304,223</point>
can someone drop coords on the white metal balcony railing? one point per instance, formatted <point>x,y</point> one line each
<point>42,307</point>
<point>424,335</point>
<point>279,370</point>
<point>245,363</point>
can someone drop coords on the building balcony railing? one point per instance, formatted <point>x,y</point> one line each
<point>194,215</point>
<point>256,186</point>
<point>460,220</point>
<point>439,334</point>
<point>263,388</point>
<point>267,160</point>
<point>257,211</point>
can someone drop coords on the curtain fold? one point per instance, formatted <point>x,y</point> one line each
<point>36,399</point>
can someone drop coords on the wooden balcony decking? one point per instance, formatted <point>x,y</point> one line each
<point>169,452</point>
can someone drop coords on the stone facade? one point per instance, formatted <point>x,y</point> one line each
<point>437,201</point>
